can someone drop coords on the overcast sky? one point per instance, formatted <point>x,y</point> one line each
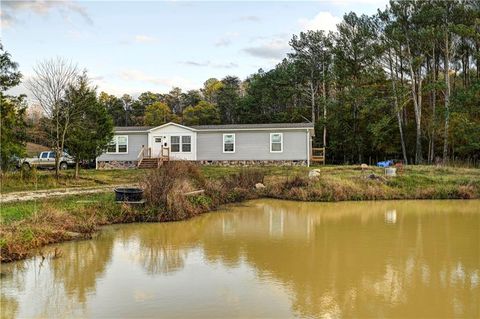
<point>132,47</point>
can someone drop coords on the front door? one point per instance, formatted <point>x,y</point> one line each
<point>158,143</point>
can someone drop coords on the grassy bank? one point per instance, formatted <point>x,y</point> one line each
<point>28,226</point>
<point>30,180</point>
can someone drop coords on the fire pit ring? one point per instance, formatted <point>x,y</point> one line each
<point>130,194</point>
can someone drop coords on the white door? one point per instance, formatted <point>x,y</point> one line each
<point>158,143</point>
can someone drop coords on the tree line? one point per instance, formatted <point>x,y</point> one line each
<point>402,83</point>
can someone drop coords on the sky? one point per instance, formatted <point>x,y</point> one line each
<point>137,46</point>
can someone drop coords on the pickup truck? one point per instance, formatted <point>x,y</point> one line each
<point>46,160</point>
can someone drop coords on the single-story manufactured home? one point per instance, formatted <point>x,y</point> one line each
<point>231,144</point>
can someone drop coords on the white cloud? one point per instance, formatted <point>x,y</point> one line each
<point>324,20</point>
<point>226,40</point>
<point>223,42</point>
<point>378,3</point>
<point>249,19</point>
<point>139,38</point>
<point>228,65</point>
<point>140,76</point>
<point>142,38</point>
<point>42,7</point>
<point>271,49</point>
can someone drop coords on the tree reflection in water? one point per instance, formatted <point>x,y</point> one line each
<point>369,259</point>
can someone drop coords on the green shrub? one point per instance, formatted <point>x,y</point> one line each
<point>201,200</point>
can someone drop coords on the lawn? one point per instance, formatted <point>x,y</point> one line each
<point>45,179</point>
<point>15,211</point>
<point>412,176</point>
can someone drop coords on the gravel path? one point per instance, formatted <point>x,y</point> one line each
<point>57,192</point>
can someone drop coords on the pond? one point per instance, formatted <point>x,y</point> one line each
<point>265,258</point>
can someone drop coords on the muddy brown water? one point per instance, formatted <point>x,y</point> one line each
<point>265,259</point>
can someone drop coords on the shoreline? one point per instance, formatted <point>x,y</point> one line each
<point>73,236</point>
<point>71,218</point>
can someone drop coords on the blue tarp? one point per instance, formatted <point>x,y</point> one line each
<point>385,163</point>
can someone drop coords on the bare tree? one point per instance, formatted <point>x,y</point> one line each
<point>52,79</point>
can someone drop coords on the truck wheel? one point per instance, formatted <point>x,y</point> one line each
<point>26,166</point>
<point>63,165</point>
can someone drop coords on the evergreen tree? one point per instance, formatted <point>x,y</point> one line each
<point>93,127</point>
<point>12,110</point>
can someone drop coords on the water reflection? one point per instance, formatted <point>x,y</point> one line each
<point>267,259</point>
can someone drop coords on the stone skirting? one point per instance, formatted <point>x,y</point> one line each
<point>133,164</point>
<point>116,164</point>
<point>256,163</point>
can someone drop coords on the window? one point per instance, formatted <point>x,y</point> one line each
<point>122,144</point>
<point>112,146</point>
<point>119,144</point>
<point>186,143</point>
<point>175,144</point>
<point>229,143</point>
<point>181,144</point>
<point>44,155</point>
<point>276,142</point>
<point>51,155</point>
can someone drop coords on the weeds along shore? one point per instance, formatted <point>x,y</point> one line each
<point>167,193</point>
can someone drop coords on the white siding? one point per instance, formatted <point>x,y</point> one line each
<point>135,142</point>
<point>252,145</point>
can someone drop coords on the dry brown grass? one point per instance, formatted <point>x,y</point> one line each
<point>159,183</point>
<point>466,192</point>
<point>343,188</point>
<point>166,190</point>
<point>51,225</point>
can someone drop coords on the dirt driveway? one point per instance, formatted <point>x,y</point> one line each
<point>57,192</point>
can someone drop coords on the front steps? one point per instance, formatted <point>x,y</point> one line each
<point>149,163</point>
<point>152,162</point>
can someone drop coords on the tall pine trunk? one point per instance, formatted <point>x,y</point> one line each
<point>312,95</point>
<point>417,105</point>
<point>397,108</point>
<point>324,88</point>
<point>431,156</point>
<point>447,98</point>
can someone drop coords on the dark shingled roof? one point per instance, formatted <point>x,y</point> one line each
<point>252,126</point>
<point>223,126</point>
<point>133,128</point>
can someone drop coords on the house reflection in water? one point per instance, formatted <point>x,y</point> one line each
<point>391,216</point>
<point>277,222</point>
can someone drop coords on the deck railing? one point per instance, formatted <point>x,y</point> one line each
<point>140,155</point>
<point>318,155</point>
